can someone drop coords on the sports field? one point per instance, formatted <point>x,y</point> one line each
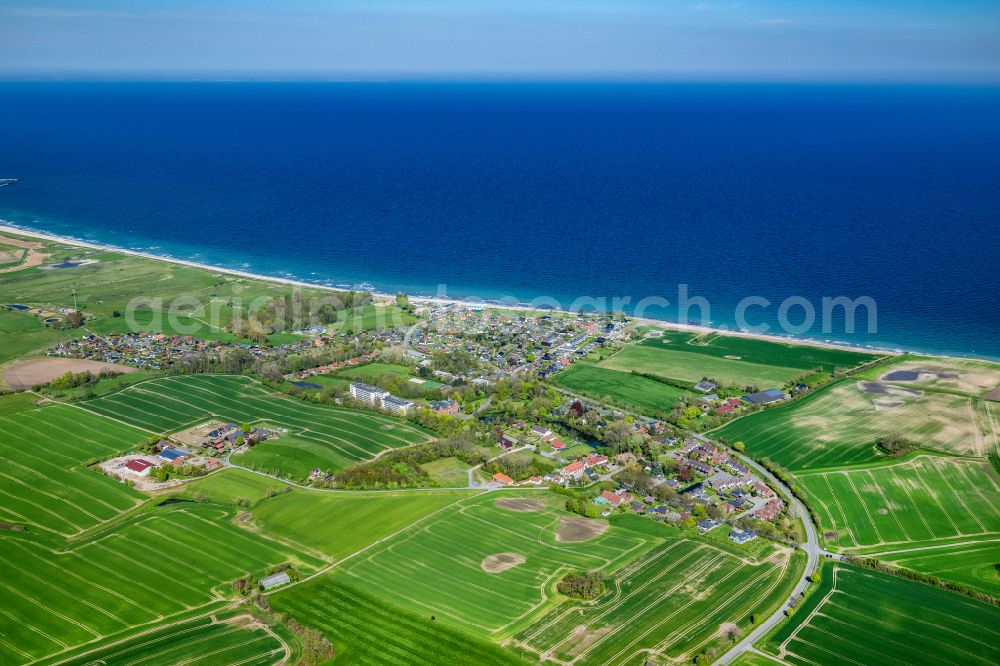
<point>864,618</point>
<point>56,597</point>
<point>920,501</point>
<point>632,391</point>
<point>669,595</point>
<point>838,425</point>
<point>223,640</point>
<point>342,436</point>
<point>730,360</point>
<point>45,482</point>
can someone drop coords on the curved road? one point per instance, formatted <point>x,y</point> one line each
<point>811,546</point>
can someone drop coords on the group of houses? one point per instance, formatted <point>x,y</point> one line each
<point>724,406</point>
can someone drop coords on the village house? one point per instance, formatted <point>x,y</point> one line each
<point>707,525</point>
<point>502,479</point>
<point>444,407</point>
<point>770,510</point>
<point>739,536</point>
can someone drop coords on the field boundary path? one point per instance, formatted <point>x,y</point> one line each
<point>812,549</point>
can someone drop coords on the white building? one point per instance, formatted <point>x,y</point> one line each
<point>396,405</point>
<point>372,395</point>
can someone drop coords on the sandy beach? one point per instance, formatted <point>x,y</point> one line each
<point>384,298</point>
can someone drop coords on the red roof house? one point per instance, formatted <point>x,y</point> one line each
<point>502,479</point>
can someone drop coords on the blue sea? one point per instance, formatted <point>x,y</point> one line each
<point>558,191</point>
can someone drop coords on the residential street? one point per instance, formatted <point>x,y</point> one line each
<point>811,546</point>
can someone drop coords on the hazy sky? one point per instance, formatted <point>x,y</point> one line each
<point>610,39</point>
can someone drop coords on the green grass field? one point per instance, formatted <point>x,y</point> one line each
<point>639,393</point>
<point>16,402</point>
<point>342,523</point>
<point>838,425</point>
<point>45,482</point>
<point>919,501</point>
<point>340,436</point>
<point>865,618</point>
<point>229,486</point>
<point>368,632</point>
<point>970,563</point>
<point>23,333</point>
<point>669,595</point>
<point>55,597</point>
<point>730,360</point>
<point>208,641</point>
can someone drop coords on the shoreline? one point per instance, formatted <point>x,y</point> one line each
<point>383,298</point>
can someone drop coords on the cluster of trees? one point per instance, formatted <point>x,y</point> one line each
<point>895,445</point>
<point>582,585</point>
<point>519,466</point>
<point>884,567</point>
<point>289,313</point>
<point>77,379</point>
<point>457,362</point>
<point>166,472</point>
<point>402,468</point>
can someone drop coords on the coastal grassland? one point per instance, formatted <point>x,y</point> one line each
<point>220,640</point>
<point>343,436</point>
<point>858,616</point>
<point>690,367</point>
<point>45,482</point>
<point>57,596</point>
<point>211,298</point>
<point>958,375</point>
<point>367,631</point>
<point>920,501</point>
<point>24,333</point>
<point>839,424</point>
<point>624,388</point>
<point>340,524</point>
<point>731,359</point>
<point>667,594</point>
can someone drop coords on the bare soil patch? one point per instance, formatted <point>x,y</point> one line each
<point>579,529</point>
<point>993,395</point>
<point>520,504</point>
<point>501,562</point>
<point>728,629</point>
<point>883,512</point>
<point>33,259</point>
<point>25,374</point>
<point>832,534</point>
<point>17,242</point>
<point>733,358</point>
<point>584,638</point>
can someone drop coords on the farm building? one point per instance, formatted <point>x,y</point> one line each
<point>766,397</point>
<point>139,467</point>
<point>274,581</point>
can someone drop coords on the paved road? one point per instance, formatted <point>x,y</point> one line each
<point>811,546</point>
<point>409,335</point>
